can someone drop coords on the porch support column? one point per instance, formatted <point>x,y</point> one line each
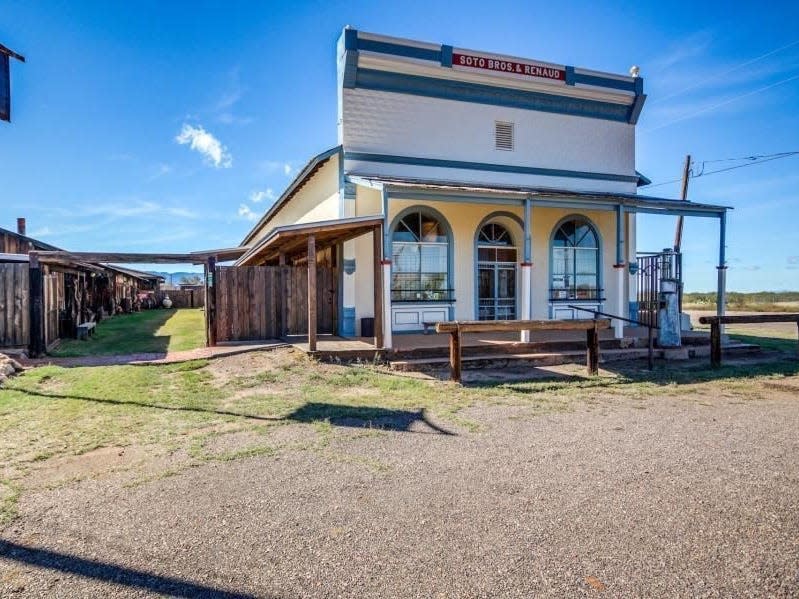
<point>379,284</point>
<point>311,293</point>
<point>721,292</point>
<point>619,267</point>
<point>527,267</point>
<point>386,268</point>
<point>210,302</point>
<point>38,344</point>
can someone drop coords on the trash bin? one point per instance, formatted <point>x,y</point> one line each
<point>367,327</point>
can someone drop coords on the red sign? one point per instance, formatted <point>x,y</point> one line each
<point>511,67</point>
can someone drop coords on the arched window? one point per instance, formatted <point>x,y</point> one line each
<point>496,273</point>
<point>420,259</point>
<point>575,262</point>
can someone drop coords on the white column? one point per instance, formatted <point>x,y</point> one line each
<point>387,305</point>
<point>527,304</point>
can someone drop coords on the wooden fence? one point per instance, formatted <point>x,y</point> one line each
<point>266,302</point>
<point>14,317</point>
<point>183,298</point>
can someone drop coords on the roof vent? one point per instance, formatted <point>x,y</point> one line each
<point>503,135</point>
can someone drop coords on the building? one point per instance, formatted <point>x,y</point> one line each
<point>504,188</point>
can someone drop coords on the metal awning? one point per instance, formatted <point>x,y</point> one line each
<point>293,239</point>
<point>413,188</point>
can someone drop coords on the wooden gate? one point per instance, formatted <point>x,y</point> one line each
<point>266,302</point>
<point>14,317</point>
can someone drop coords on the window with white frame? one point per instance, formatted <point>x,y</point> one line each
<point>420,260</point>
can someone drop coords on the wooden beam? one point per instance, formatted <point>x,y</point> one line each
<point>490,326</point>
<point>311,293</point>
<point>752,319</point>
<point>210,302</point>
<point>377,245</point>
<point>124,257</point>
<point>455,355</point>
<point>592,350</point>
<point>36,303</point>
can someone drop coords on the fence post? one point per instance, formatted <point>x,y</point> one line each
<point>455,354</point>
<point>210,302</point>
<point>651,352</point>
<point>36,291</point>
<point>715,344</point>
<point>592,346</point>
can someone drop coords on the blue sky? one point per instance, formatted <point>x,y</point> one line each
<point>94,157</point>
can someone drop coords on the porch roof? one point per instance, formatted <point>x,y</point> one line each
<point>293,239</point>
<point>412,188</point>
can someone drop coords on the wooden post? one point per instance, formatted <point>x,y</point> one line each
<point>592,343</point>
<point>210,302</point>
<point>455,342</point>
<point>36,303</point>
<point>715,344</point>
<point>377,244</point>
<point>282,296</point>
<point>311,293</point>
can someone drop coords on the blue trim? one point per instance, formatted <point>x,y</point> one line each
<point>633,312</point>
<point>432,212</point>
<point>476,275</point>
<point>607,82</point>
<point>619,234</point>
<point>637,107</point>
<point>643,180</point>
<point>399,50</point>
<point>723,240</point>
<point>569,75</point>
<point>463,91</point>
<point>350,39</point>
<point>483,166</point>
<point>348,321</point>
<point>387,255</point>
<point>676,212</point>
<point>350,76</point>
<point>600,257</point>
<point>446,56</point>
<point>638,85</point>
<point>528,230</point>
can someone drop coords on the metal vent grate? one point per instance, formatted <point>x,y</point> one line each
<point>503,135</point>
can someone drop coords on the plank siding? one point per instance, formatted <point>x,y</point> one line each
<point>14,317</point>
<point>267,302</point>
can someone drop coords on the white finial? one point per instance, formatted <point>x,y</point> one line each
<point>634,70</point>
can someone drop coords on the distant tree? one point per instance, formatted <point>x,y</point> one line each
<point>192,280</point>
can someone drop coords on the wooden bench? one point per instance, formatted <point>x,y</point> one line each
<point>715,323</point>
<point>86,329</point>
<point>456,329</point>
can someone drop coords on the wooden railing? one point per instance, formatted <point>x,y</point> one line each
<point>456,329</point>
<point>715,323</point>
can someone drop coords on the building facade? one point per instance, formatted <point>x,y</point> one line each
<point>507,186</point>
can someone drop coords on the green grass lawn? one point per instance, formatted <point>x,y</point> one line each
<point>156,331</point>
<point>52,412</point>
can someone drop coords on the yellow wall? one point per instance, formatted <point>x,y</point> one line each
<point>464,219</point>
<point>317,200</point>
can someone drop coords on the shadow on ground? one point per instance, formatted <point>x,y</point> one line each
<point>72,564</point>
<point>336,414</point>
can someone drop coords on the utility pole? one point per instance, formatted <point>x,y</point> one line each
<point>5,81</point>
<point>686,173</point>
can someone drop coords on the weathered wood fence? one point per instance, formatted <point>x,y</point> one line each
<point>183,298</point>
<point>456,329</point>
<point>715,323</point>
<point>15,305</point>
<point>14,317</point>
<point>266,302</point>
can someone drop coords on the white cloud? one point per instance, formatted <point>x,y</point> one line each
<point>256,197</point>
<point>125,209</point>
<point>246,213</point>
<point>287,169</point>
<point>206,144</point>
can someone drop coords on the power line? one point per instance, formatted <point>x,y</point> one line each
<point>752,161</point>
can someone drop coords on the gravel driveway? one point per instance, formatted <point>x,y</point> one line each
<point>679,496</point>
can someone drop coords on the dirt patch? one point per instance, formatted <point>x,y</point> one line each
<point>99,462</point>
<point>234,368</point>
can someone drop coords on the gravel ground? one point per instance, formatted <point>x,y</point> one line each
<point>680,496</point>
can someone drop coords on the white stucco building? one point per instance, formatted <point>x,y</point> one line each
<point>506,187</point>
